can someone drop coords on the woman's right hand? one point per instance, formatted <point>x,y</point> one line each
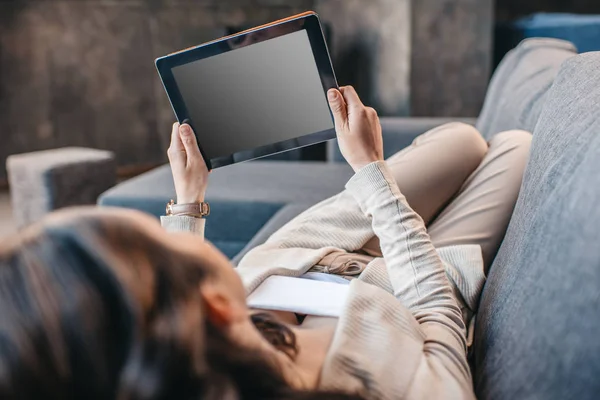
<point>190,173</point>
<point>358,128</point>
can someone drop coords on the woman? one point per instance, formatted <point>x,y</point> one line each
<point>103,304</point>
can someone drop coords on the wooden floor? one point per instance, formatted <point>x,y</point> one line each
<point>7,225</point>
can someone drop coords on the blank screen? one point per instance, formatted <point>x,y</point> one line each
<point>255,96</point>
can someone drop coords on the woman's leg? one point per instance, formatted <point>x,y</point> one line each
<point>436,165</point>
<point>434,168</point>
<point>481,211</point>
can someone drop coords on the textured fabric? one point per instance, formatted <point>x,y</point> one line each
<point>183,223</point>
<point>282,217</point>
<point>47,180</point>
<point>518,88</point>
<point>398,133</point>
<point>538,324</point>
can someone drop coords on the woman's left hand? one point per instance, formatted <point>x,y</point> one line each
<point>190,173</point>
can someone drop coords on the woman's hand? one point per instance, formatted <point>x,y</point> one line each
<point>357,127</point>
<point>190,173</point>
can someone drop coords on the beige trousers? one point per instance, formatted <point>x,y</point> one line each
<point>464,188</point>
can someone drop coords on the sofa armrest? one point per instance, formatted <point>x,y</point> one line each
<point>398,133</point>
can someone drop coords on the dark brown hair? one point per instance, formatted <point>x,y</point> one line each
<point>95,308</point>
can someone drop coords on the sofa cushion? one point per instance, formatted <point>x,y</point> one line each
<point>282,217</point>
<point>539,318</point>
<point>243,197</point>
<point>398,133</point>
<point>517,91</point>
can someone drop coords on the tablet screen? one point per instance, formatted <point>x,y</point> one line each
<point>254,96</point>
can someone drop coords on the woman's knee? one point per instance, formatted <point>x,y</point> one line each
<point>455,144</point>
<point>458,134</point>
<point>470,137</point>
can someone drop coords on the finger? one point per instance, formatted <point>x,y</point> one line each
<point>176,151</point>
<point>351,98</point>
<point>190,144</point>
<point>338,109</point>
<point>175,139</point>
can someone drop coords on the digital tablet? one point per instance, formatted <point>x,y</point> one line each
<point>256,93</point>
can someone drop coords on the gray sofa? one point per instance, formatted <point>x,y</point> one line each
<point>539,319</point>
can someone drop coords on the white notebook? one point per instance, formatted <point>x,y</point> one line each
<point>302,296</point>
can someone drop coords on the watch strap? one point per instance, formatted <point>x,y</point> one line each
<point>198,210</point>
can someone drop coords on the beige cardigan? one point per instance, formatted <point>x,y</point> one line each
<point>402,333</point>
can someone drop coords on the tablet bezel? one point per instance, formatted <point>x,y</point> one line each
<point>308,21</point>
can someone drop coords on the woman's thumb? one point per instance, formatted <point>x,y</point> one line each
<point>189,142</point>
<point>338,107</point>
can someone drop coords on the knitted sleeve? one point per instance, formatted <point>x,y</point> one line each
<point>415,269</point>
<point>184,224</point>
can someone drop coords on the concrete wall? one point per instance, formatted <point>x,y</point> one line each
<point>451,56</point>
<point>372,50</point>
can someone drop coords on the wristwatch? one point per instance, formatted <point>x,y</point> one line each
<point>197,210</point>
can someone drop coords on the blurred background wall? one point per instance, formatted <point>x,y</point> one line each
<point>81,73</point>
<point>507,10</point>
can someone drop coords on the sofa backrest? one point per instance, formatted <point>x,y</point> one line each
<point>538,326</point>
<point>398,133</point>
<point>518,88</point>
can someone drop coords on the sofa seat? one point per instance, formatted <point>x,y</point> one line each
<point>243,197</point>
